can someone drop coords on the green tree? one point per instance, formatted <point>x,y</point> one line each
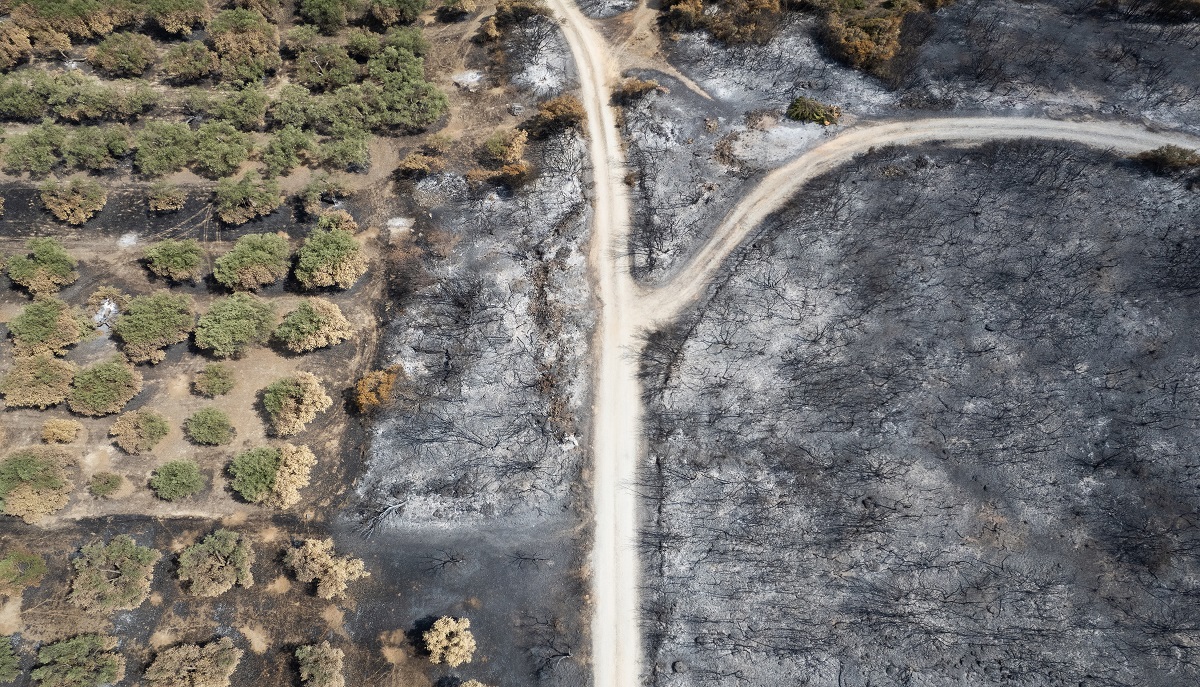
<point>256,260</point>
<point>209,426</point>
<point>326,67</point>
<point>287,149</point>
<point>320,665</point>
<point>96,588</point>
<point>234,323</point>
<point>33,483</point>
<point>350,148</point>
<point>10,662</point>
<point>188,62</point>
<point>214,565</point>
<point>175,260</point>
<point>362,43</point>
<point>315,323</point>
<point>96,148</point>
<point>245,109</point>
<point>151,323</point>
<point>177,16</point>
<point>37,151</point>
<point>44,269</point>
<point>254,472</point>
<point>74,202</point>
<point>104,388</point>
<point>177,479</point>
<point>328,15</point>
<point>123,54</point>
<point>19,570</point>
<point>84,661</point>
<point>293,402</point>
<point>163,147</point>
<point>240,200</point>
<point>220,149</point>
<point>47,326</point>
<point>247,44</point>
<point>330,256</point>
<point>389,12</point>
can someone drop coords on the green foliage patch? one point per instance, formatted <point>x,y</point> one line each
<point>104,388</point>
<point>234,323</point>
<point>151,323</point>
<point>209,426</point>
<point>254,472</point>
<point>177,480</point>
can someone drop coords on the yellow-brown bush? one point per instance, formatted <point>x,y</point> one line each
<point>60,431</point>
<point>314,560</point>
<point>450,641</point>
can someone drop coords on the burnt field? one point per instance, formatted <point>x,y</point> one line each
<point>935,426</point>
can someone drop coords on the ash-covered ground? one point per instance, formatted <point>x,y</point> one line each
<point>936,426</point>
<point>692,158</point>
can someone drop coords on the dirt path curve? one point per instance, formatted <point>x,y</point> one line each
<point>626,309</point>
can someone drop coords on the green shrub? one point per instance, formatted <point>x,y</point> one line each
<point>287,149</point>
<point>46,268</point>
<point>104,388</point>
<point>315,323</point>
<point>37,151</point>
<point>96,148</point>
<point>330,257</point>
<point>175,260</point>
<point>220,149</point>
<point>362,43</point>
<point>47,326</point>
<point>294,106</point>
<point>194,665</point>
<point>123,54</point>
<point>321,665</point>
<point>151,323</point>
<point>245,109</point>
<point>215,565</point>
<point>19,570</point>
<point>247,45</point>
<point>37,382</point>
<point>177,480</point>
<point>300,38</point>
<point>84,661</point>
<point>805,109</point>
<point>163,148</point>
<point>33,483</point>
<point>209,426</point>
<point>256,260</point>
<point>293,402</point>
<point>254,472</point>
<point>164,197</point>
<point>389,12</point>
<point>75,202</point>
<point>188,62</point>
<point>326,67</point>
<point>327,15</point>
<point>177,16</point>
<point>234,323</point>
<point>77,97</point>
<point>96,588</point>
<point>214,380</point>
<point>139,431</point>
<point>104,484</point>
<point>239,201</point>
<point>349,150</point>
<point>10,662</point>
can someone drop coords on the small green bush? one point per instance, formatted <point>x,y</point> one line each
<point>84,661</point>
<point>247,44</point>
<point>813,111</point>
<point>241,200</point>
<point>209,426</point>
<point>293,402</point>
<point>175,260</point>
<point>362,43</point>
<point>214,380</point>
<point>349,149</point>
<point>104,388</point>
<point>326,67</point>
<point>255,260</point>
<point>163,148</point>
<point>234,323</point>
<point>96,588</point>
<point>123,54</point>
<point>104,484</point>
<point>177,480</point>
<point>254,472</point>
<point>45,269</point>
<point>47,326</point>
<point>215,565</point>
<point>188,62</point>
<point>139,431</point>
<point>389,12</point>
<point>96,148</point>
<point>321,665</point>
<point>327,15</point>
<point>315,323</point>
<point>19,570</point>
<point>151,323</point>
<point>329,257</point>
<point>39,381</point>
<point>75,202</point>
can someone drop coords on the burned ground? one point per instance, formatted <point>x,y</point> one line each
<point>935,426</point>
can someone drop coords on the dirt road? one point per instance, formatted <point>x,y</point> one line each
<point>627,309</point>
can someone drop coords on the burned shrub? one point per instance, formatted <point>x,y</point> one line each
<point>214,380</point>
<point>1169,159</point>
<point>60,431</point>
<point>37,382</point>
<point>76,202</point>
<point>314,560</point>
<point>139,431</point>
<point>113,576</point>
<point>47,326</point>
<point>320,665</point>
<point>634,89</point>
<point>450,641</point>
<point>214,565</point>
<point>190,61</point>
<point>557,115</point>
<point>247,44</point>
<point>374,389</point>
<point>315,323</point>
<point>46,268</point>
<point>293,402</point>
<point>195,665</point>
<point>33,483</point>
<point>151,323</point>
